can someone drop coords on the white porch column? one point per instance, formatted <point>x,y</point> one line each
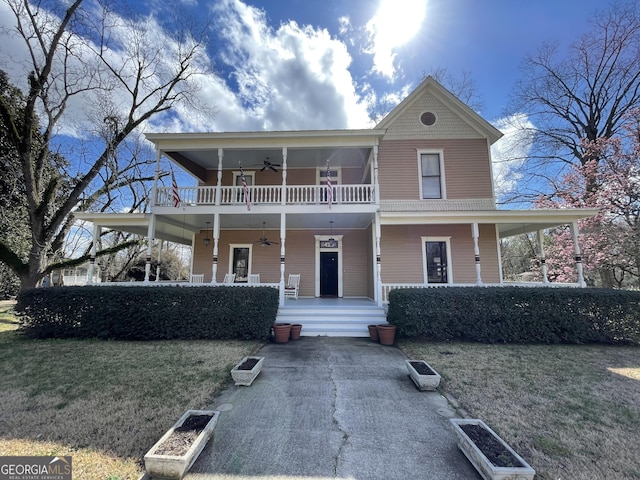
<point>376,185</point>
<point>543,260</point>
<point>216,237</point>
<point>475,233</point>
<point>578,254</point>
<point>283,199</point>
<point>156,177</point>
<point>219,184</point>
<point>94,249</point>
<point>283,238</point>
<point>150,234</point>
<point>378,267</point>
<point>158,266</point>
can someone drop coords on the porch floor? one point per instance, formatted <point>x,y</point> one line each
<point>333,317</point>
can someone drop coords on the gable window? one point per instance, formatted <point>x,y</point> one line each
<point>436,259</point>
<point>431,175</point>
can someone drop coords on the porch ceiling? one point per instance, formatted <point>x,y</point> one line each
<point>198,161</point>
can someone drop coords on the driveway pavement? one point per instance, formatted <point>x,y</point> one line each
<point>332,408</point>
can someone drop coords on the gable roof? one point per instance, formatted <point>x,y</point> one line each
<point>431,86</point>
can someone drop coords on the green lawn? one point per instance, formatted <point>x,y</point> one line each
<point>572,411</point>
<point>104,403</point>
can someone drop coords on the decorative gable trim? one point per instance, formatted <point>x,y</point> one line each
<point>478,125</point>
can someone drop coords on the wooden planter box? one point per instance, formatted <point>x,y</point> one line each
<point>423,374</point>
<point>479,460</point>
<point>174,467</point>
<point>243,376</point>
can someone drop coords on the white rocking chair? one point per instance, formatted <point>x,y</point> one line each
<point>254,278</point>
<point>292,287</point>
<point>196,278</point>
<point>229,278</point>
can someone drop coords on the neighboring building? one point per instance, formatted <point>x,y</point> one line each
<point>356,213</point>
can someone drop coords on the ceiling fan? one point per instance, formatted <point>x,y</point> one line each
<point>263,239</point>
<point>268,164</point>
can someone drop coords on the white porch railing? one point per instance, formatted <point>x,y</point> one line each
<point>267,195</point>
<point>387,287</point>
<point>168,283</point>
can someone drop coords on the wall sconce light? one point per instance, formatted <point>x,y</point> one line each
<point>207,240</point>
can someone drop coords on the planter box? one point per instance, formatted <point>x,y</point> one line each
<point>423,374</point>
<point>479,460</point>
<point>246,377</point>
<point>174,467</point>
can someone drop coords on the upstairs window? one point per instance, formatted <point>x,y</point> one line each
<point>431,175</point>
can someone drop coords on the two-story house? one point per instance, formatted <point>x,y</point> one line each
<point>354,213</point>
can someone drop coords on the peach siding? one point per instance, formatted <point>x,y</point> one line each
<point>300,258</point>
<point>401,250</point>
<point>466,167</point>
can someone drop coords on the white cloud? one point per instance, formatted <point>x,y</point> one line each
<point>293,77</point>
<point>510,152</point>
<point>394,24</point>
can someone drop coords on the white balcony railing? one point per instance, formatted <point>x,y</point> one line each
<point>267,195</point>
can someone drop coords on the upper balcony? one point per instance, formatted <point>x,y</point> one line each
<point>361,194</point>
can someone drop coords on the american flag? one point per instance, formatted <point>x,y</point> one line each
<point>245,189</point>
<point>174,190</point>
<point>329,189</point>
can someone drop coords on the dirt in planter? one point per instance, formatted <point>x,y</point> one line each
<point>422,369</point>
<point>490,446</point>
<point>248,364</point>
<point>181,439</point>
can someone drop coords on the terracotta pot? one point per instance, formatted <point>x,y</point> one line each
<point>281,332</point>
<point>296,328</point>
<point>387,334</point>
<point>373,332</point>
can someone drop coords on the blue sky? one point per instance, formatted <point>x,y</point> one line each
<point>307,64</point>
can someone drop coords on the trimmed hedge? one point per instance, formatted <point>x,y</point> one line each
<point>517,314</point>
<point>148,313</point>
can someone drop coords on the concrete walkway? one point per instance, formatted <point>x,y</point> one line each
<point>327,408</point>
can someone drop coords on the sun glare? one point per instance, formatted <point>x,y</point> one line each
<point>397,22</point>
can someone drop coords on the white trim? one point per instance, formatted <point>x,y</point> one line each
<point>443,183</point>
<point>447,240</point>
<point>499,251</point>
<point>241,245</point>
<point>318,239</point>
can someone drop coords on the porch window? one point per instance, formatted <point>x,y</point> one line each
<point>322,176</point>
<point>436,256</point>
<point>431,175</point>
<point>237,181</point>
<point>240,262</point>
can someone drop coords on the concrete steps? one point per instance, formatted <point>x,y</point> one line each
<point>332,320</point>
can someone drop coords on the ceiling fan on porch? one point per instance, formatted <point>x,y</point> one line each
<point>268,164</point>
<point>264,242</point>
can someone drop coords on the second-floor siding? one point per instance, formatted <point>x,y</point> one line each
<point>466,170</point>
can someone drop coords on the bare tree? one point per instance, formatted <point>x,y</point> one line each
<point>579,95</point>
<point>85,54</point>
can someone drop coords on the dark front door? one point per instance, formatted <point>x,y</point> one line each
<point>329,274</point>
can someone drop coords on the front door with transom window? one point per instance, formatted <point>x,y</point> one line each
<point>329,274</point>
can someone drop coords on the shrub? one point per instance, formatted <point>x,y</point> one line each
<point>148,313</point>
<point>517,314</point>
